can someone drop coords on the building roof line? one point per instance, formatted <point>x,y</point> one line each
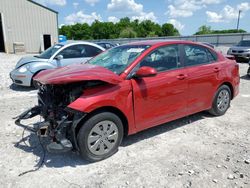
<point>42,6</point>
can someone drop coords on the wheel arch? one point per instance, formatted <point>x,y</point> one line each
<point>37,67</point>
<point>230,87</point>
<point>35,75</point>
<point>111,109</point>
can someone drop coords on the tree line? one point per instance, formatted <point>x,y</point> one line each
<point>204,30</point>
<point>125,28</point>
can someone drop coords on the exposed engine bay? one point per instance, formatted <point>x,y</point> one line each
<point>54,98</point>
<point>60,121</point>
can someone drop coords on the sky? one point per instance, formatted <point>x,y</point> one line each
<point>186,15</point>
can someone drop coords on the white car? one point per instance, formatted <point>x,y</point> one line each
<point>241,51</point>
<point>61,54</point>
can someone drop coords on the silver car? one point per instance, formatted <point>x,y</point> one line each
<point>241,51</point>
<point>61,54</point>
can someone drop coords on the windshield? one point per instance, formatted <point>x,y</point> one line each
<point>244,43</point>
<point>117,59</point>
<point>50,51</point>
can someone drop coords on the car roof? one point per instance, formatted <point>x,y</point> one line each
<point>71,42</point>
<point>160,42</point>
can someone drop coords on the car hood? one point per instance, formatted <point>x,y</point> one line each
<point>240,48</point>
<point>29,59</point>
<point>76,73</point>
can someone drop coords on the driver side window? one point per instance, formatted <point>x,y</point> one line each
<point>163,58</point>
<point>71,52</point>
<point>79,51</point>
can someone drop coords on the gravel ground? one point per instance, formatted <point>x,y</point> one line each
<point>195,151</point>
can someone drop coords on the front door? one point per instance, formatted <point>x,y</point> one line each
<point>160,98</point>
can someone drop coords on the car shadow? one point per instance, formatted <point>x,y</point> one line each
<point>245,77</point>
<point>30,143</point>
<point>160,129</point>
<point>15,87</point>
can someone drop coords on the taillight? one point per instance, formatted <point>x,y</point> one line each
<point>236,67</point>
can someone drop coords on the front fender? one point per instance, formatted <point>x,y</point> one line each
<point>118,96</point>
<point>35,67</point>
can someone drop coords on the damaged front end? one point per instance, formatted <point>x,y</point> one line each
<point>58,88</point>
<point>60,122</point>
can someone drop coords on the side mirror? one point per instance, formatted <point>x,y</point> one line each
<point>59,57</point>
<point>145,72</point>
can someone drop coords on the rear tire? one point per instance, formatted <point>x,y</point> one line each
<point>221,101</point>
<point>100,136</point>
<point>248,71</point>
<point>241,60</point>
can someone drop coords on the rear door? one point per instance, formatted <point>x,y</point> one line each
<point>160,98</point>
<point>202,69</point>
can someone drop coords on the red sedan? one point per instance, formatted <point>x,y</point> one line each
<point>91,107</point>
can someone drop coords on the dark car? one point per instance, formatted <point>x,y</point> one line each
<point>106,45</point>
<point>91,107</point>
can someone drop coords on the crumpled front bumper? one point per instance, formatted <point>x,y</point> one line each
<point>63,136</point>
<point>30,113</point>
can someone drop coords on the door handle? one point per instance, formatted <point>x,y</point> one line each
<point>216,69</point>
<point>181,76</point>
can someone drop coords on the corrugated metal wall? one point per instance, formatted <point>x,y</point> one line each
<point>27,22</point>
<point>217,40</point>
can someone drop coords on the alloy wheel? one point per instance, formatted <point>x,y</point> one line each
<point>223,100</point>
<point>102,137</point>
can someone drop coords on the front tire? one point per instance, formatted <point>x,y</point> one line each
<point>221,101</point>
<point>100,136</point>
<point>34,83</point>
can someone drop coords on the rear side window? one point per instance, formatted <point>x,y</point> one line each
<point>92,51</point>
<point>163,58</point>
<point>198,55</point>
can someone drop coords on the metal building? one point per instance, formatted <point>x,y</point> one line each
<point>25,24</point>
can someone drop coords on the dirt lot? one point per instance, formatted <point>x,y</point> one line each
<point>196,151</point>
